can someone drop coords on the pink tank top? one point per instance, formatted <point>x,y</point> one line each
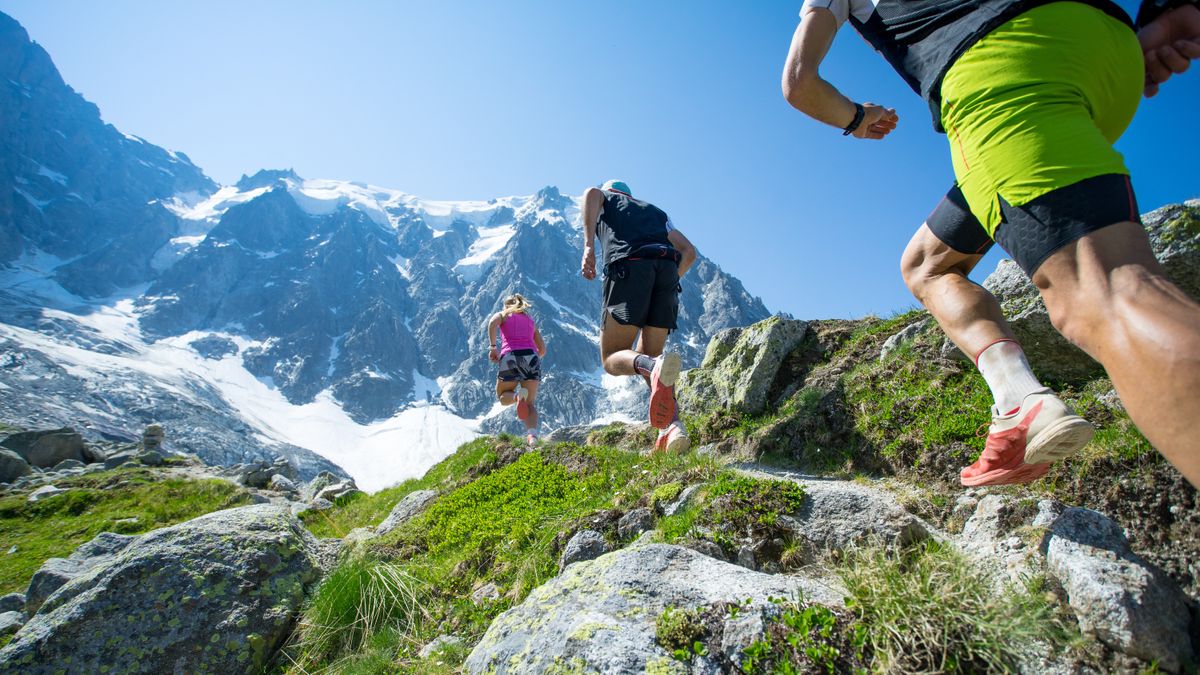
<point>516,332</point>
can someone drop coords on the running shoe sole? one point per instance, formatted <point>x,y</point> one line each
<point>678,444</point>
<point>1025,473</point>
<point>662,390</point>
<point>522,405</point>
<point>1060,440</point>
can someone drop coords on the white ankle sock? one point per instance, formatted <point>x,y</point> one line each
<point>1004,367</point>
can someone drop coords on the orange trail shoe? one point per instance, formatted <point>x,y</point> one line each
<point>1022,444</point>
<point>662,390</point>
<point>673,439</point>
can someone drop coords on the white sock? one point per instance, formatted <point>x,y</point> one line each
<point>1004,367</point>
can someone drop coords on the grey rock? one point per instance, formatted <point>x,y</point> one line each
<point>46,448</point>
<point>13,602</point>
<point>150,458</point>
<point>1124,601</point>
<point>258,475</point>
<point>706,547</point>
<point>45,492</point>
<point>634,523</point>
<point>439,643</point>
<point>743,630</point>
<point>215,594</point>
<point>320,504</point>
<point>987,536</point>
<point>836,514</point>
<point>599,616</point>
<point>12,466</point>
<point>56,572</point>
<point>902,337</point>
<point>684,498</point>
<point>746,557</point>
<point>338,490</point>
<point>740,365</point>
<point>10,622</point>
<point>583,545</point>
<point>318,483</point>
<point>573,434</point>
<point>406,509</point>
<point>120,459</point>
<point>281,483</point>
<point>153,437</point>
<point>485,593</point>
<point>68,464</point>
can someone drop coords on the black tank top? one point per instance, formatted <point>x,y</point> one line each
<point>628,225</point>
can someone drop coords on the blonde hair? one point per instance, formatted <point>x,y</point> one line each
<point>514,304</point>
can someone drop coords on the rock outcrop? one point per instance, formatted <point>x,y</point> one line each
<point>599,616</point>
<point>740,365</point>
<point>216,594</point>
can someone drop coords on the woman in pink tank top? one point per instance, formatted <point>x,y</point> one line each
<point>519,357</point>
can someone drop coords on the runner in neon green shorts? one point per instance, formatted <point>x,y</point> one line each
<point>1031,109</point>
<point>1032,94</point>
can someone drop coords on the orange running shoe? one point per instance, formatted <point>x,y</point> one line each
<point>662,390</point>
<point>1022,444</point>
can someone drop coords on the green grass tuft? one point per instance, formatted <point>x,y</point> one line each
<point>929,610</point>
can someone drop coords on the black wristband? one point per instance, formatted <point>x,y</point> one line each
<point>859,112</point>
<point>1152,9</point>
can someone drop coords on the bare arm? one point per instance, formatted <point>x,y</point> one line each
<point>808,92</point>
<point>539,342</point>
<point>593,200</point>
<point>493,326</point>
<point>687,251</point>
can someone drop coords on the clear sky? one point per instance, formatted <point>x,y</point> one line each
<point>472,100</point>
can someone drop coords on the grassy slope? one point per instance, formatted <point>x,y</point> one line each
<point>95,503</point>
<point>503,517</point>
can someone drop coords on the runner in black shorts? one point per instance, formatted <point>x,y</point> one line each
<point>644,258</point>
<point>1032,94</point>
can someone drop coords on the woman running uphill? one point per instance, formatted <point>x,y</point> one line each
<point>521,349</point>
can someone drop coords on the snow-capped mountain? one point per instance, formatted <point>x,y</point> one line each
<point>322,320</point>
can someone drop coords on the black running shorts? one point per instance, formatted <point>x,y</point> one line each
<point>642,293</point>
<point>520,365</point>
<point>1034,231</point>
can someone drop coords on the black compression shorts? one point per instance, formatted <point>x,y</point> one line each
<point>1032,232</point>
<point>642,292</point>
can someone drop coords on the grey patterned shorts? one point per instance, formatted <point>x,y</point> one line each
<point>520,365</point>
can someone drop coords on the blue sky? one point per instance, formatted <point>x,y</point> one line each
<point>471,100</point>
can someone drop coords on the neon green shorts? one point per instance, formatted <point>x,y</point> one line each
<point>1036,105</point>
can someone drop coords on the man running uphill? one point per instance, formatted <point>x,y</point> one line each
<point>1033,94</point>
<point>644,258</point>
<point>519,356</point>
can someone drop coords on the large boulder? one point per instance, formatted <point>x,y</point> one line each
<point>599,616</point>
<point>406,509</point>
<point>56,572</point>
<point>216,594</point>
<point>44,449</point>
<point>1175,237</point>
<point>740,365</point>
<point>12,466</point>
<point>1120,598</point>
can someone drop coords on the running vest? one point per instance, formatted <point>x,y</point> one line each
<point>627,226</point>
<point>921,39</point>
